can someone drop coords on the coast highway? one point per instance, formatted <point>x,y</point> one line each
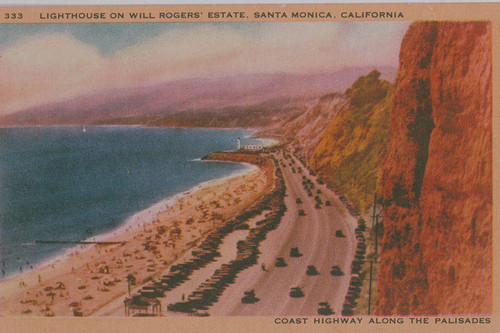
<point>315,237</point>
<point>314,234</point>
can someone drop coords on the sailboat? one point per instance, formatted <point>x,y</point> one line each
<point>84,130</point>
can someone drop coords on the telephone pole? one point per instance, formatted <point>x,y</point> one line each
<point>376,235</point>
<point>370,288</point>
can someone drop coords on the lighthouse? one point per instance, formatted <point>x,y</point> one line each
<point>239,143</point>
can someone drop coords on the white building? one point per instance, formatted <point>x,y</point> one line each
<point>248,147</point>
<point>253,147</point>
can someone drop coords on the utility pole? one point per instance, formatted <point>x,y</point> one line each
<point>374,208</point>
<point>375,217</point>
<point>370,288</point>
<point>376,236</point>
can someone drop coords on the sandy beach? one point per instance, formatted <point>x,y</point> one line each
<point>91,277</point>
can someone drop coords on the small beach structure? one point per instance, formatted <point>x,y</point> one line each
<point>139,306</point>
<point>248,147</point>
<point>252,147</point>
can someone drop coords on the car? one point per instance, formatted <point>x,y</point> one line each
<point>336,271</point>
<point>295,253</point>
<point>296,292</point>
<point>249,297</point>
<point>311,270</point>
<point>325,309</point>
<point>280,262</point>
<point>339,233</point>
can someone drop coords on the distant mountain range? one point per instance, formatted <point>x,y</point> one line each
<point>252,100</point>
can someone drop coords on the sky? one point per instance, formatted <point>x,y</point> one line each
<point>43,63</point>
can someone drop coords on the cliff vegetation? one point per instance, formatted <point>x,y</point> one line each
<point>350,151</point>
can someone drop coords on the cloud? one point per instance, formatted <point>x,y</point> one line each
<point>176,54</point>
<point>45,67</point>
<point>56,66</point>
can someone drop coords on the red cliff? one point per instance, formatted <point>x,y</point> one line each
<point>437,174</point>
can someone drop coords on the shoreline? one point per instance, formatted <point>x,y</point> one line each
<point>81,271</point>
<point>102,233</point>
<point>141,217</point>
<point>168,202</point>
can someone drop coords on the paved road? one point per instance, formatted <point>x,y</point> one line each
<point>314,235</point>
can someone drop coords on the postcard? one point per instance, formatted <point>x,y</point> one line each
<point>249,167</point>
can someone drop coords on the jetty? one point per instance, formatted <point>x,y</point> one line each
<point>75,242</point>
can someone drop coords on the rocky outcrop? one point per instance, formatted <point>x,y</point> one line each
<point>437,174</point>
<point>304,131</point>
<point>307,130</point>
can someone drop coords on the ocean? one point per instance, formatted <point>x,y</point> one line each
<point>70,184</point>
